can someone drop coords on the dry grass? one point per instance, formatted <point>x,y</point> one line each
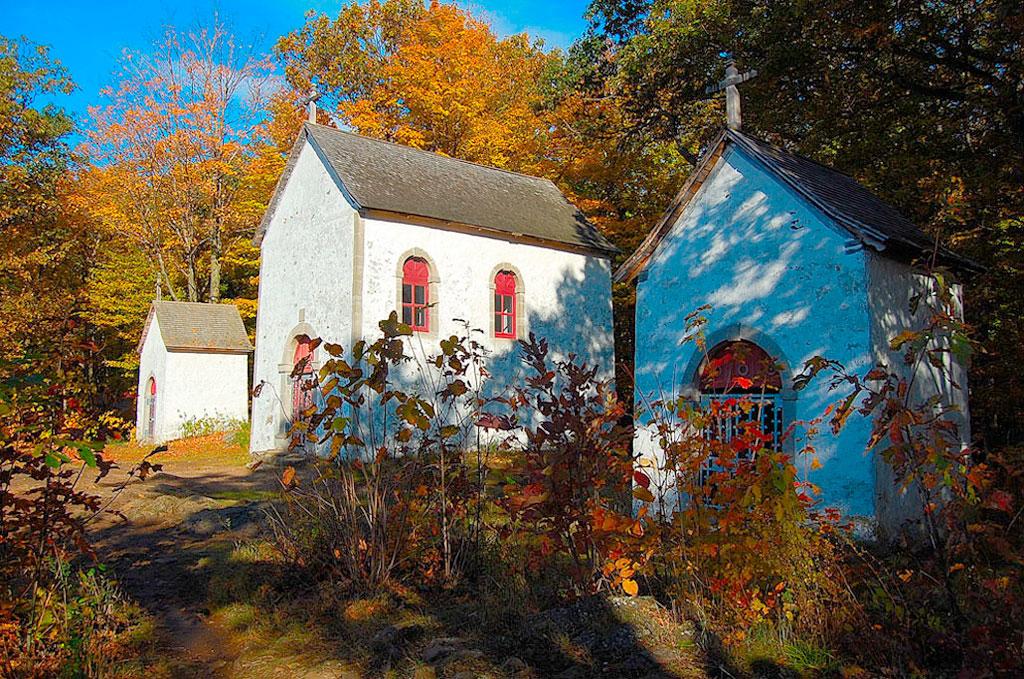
<point>212,450</point>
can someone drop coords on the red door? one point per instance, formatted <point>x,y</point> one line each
<point>151,410</point>
<point>302,381</point>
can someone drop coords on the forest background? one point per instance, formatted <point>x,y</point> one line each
<point>162,185</point>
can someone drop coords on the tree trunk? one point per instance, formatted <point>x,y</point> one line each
<point>191,281</point>
<point>163,278</point>
<point>220,199</point>
<point>215,265</point>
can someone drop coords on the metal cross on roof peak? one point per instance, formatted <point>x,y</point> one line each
<point>734,117</point>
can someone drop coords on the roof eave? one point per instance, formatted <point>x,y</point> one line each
<point>637,262</point>
<point>275,197</point>
<point>180,349</point>
<point>886,245</point>
<point>145,328</point>
<point>490,232</point>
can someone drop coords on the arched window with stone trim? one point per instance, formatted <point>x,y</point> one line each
<point>416,294</point>
<point>737,373</point>
<point>505,305</point>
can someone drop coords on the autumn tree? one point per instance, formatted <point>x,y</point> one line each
<point>48,248</point>
<point>436,78</point>
<point>43,261</point>
<point>171,150</point>
<point>429,77</point>
<point>923,102</point>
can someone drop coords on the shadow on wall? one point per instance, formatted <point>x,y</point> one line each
<point>773,268</point>
<point>580,324</point>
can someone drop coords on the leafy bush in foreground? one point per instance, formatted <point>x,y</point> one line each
<point>425,481</point>
<point>49,610</point>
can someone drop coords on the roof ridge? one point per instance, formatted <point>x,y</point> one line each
<point>743,137</point>
<point>431,153</point>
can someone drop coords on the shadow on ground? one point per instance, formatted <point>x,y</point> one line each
<point>190,553</point>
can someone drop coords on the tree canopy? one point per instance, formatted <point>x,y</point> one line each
<point>922,102</point>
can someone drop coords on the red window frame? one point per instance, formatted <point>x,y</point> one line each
<point>505,305</point>
<point>733,372</point>
<point>416,294</point>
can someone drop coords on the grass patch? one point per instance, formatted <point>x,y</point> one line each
<point>765,651</point>
<point>211,449</point>
<point>242,496</point>
<point>807,658</point>
<point>237,617</point>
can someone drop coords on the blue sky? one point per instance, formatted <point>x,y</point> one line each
<point>88,37</point>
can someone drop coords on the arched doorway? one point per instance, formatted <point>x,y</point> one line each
<point>303,380</point>
<point>740,382</point>
<point>151,409</point>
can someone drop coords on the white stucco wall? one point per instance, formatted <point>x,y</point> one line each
<point>317,249</point>
<point>777,273</point>
<point>566,297</point>
<point>203,385</point>
<point>305,287</point>
<point>152,363</point>
<point>891,286</point>
<point>190,386</point>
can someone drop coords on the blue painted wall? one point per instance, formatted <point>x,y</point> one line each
<point>775,271</point>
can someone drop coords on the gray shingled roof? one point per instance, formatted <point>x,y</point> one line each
<point>868,218</point>
<point>844,199</point>
<point>379,175</point>
<point>198,327</point>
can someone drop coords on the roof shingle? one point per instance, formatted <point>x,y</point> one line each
<point>868,218</point>
<point>380,175</point>
<point>199,327</point>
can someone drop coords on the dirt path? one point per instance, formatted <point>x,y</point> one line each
<point>174,524</point>
<point>187,552</point>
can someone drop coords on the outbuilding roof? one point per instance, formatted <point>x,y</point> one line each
<point>377,175</point>
<point>868,218</point>
<point>199,327</point>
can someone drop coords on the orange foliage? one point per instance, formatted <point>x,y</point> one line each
<point>433,78</point>
<point>172,152</point>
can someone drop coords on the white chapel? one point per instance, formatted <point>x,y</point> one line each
<point>359,228</point>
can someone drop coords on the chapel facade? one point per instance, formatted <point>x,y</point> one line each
<point>789,260</point>
<point>360,228</point>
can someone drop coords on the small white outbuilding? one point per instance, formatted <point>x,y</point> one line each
<point>193,365</point>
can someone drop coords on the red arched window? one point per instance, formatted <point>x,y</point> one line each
<point>739,372</point>
<point>302,376</point>
<point>416,294</point>
<point>739,367</point>
<point>505,304</point>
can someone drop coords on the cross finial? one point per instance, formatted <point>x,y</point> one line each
<point>311,106</point>
<point>733,114</point>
